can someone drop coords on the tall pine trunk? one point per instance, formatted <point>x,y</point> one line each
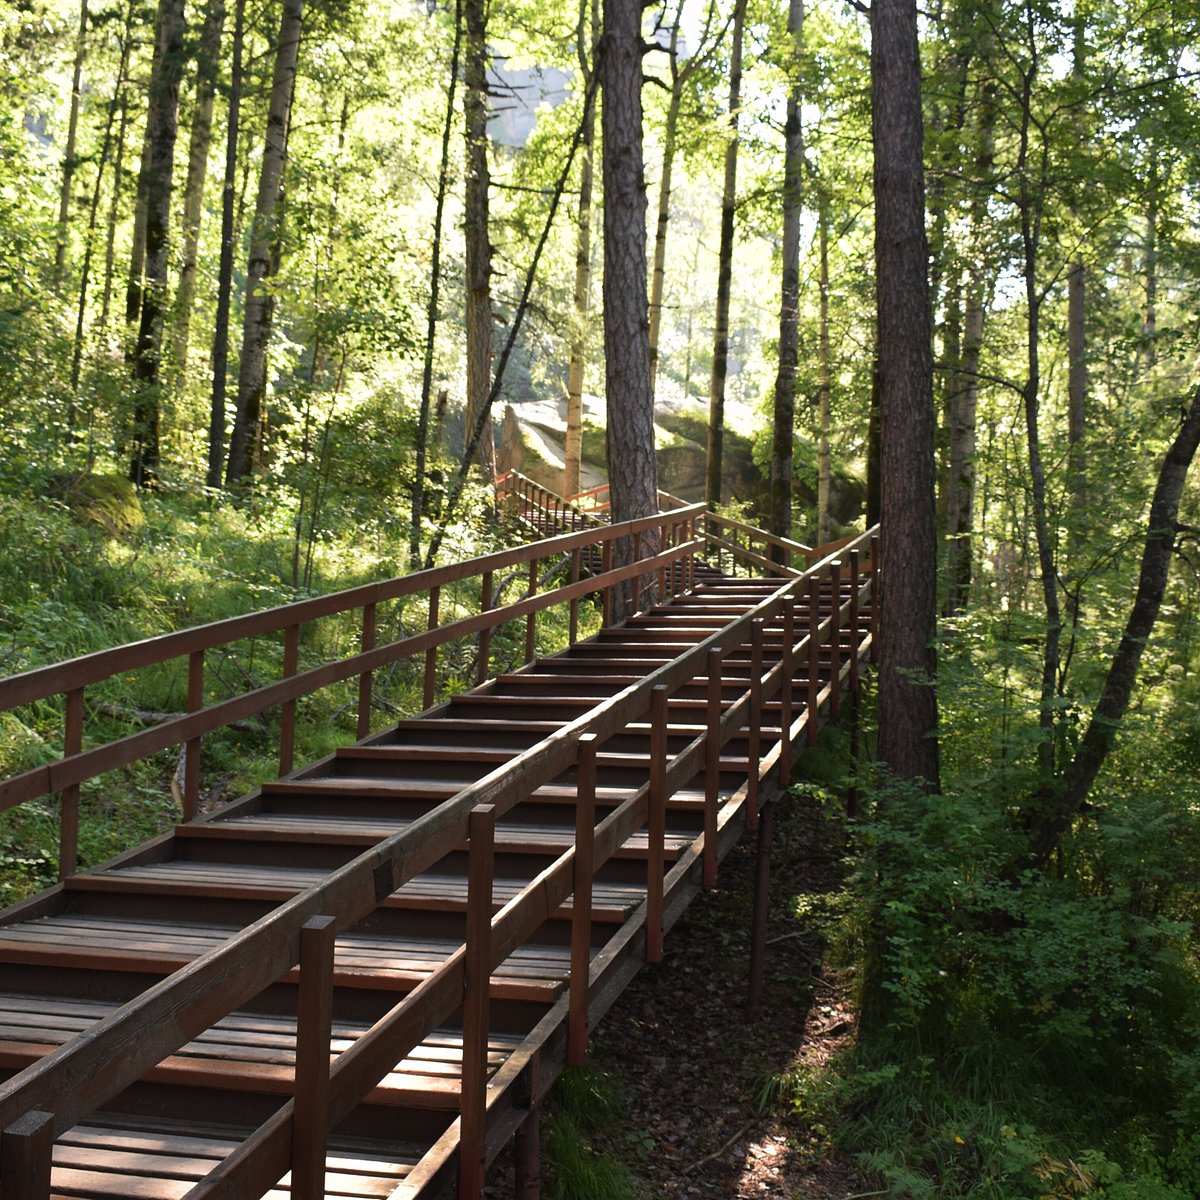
<point>260,305</point>
<point>720,363</point>
<point>824,373</point>
<point>587,38</point>
<point>220,349</point>
<point>162,121</point>
<point>908,606</point>
<point>478,242</point>
<point>632,471</point>
<point>784,415</point>
<point>208,64</point>
<point>69,163</point>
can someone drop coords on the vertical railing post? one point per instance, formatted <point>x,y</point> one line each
<point>581,901</point>
<point>26,1149</point>
<point>876,584</point>
<point>814,657</point>
<point>835,639</point>
<point>314,1023</point>
<point>287,711</point>
<point>527,1147</point>
<point>531,620</point>
<point>365,681</point>
<point>787,684</point>
<point>636,592</point>
<point>68,824</point>
<point>573,622</point>
<point>435,598</point>
<point>605,566</point>
<point>754,729</point>
<point>712,767</point>
<point>656,825</point>
<point>191,752</point>
<point>758,922</point>
<point>693,526</point>
<point>855,639</point>
<point>472,1137</point>
<point>485,634</point>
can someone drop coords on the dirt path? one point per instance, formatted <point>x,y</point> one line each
<point>694,1066</point>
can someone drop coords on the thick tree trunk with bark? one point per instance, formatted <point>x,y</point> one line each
<point>720,363</point>
<point>1051,819</point>
<point>908,608</point>
<point>587,38</point>
<point>784,419</point>
<point>478,243</point>
<point>632,472</point>
<point>162,122</point>
<point>260,307</point>
<point>208,63</point>
<point>220,350</point>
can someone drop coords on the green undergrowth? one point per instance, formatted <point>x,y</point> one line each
<point>583,1104</point>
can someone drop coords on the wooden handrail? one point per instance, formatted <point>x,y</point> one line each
<point>85,1073</point>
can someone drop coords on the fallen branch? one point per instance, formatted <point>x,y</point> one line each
<point>741,1133</point>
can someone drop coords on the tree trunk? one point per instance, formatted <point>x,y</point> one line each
<point>220,350</point>
<point>784,414</point>
<point>1150,320</point>
<point>720,363</point>
<point>659,272</point>
<point>960,491</point>
<point>573,442</point>
<point>114,208</point>
<point>824,380</point>
<point>208,64</point>
<point>1050,821</point>
<point>632,471</point>
<point>908,607</point>
<point>478,243</point>
<point>162,122</point>
<point>68,166</point>
<point>260,306</point>
<point>431,311</point>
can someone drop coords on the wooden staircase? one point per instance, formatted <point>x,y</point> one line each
<point>361,979</point>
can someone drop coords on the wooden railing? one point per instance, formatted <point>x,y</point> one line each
<point>542,508</point>
<point>65,1087</point>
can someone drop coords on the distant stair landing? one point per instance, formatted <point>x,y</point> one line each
<point>361,979</point>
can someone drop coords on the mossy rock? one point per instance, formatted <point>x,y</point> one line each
<point>108,501</point>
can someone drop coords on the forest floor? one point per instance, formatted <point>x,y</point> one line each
<point>700,1077</point>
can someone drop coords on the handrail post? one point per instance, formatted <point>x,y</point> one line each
<point>365,680</point>
<point>314,1023</point>
<point>758,921</point>
<point>485,634</point>
<point>835,639</point>
<point>581,901</point>
<point>712,767</point>
<point>191,752</point>
<point>875,591</point>
<point>656,825</point>
<point>68,825</point>
<point>785,691</point>
<point>531,620</point>
<point>435,597</point>
<point>573,620</point>
<point>754,729</point>
<point>472,1138</point>
<point>287,711</point>
<point>635,605</point>
<point>26,1147</point>
<point>855,637</point>
<point>605,567</point>
<point>814,657</point>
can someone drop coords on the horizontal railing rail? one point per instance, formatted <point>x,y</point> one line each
<point>74,1081</point>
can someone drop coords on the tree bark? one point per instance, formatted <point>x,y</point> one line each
<point>162,123</point>
<point>68,165</point>
<point>220,350</point>
<point>208,64</point>
<point>784,415</point>
<point>478,243</point>
<point>908,606</point>
<point>581,301</point>
<point>431,311</point>
<point>1049,822</point>
<point>632,471</point>
<point>960,491</point>
<point>720,363</point>
<point>260,306</point>
<point>824,374</point>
